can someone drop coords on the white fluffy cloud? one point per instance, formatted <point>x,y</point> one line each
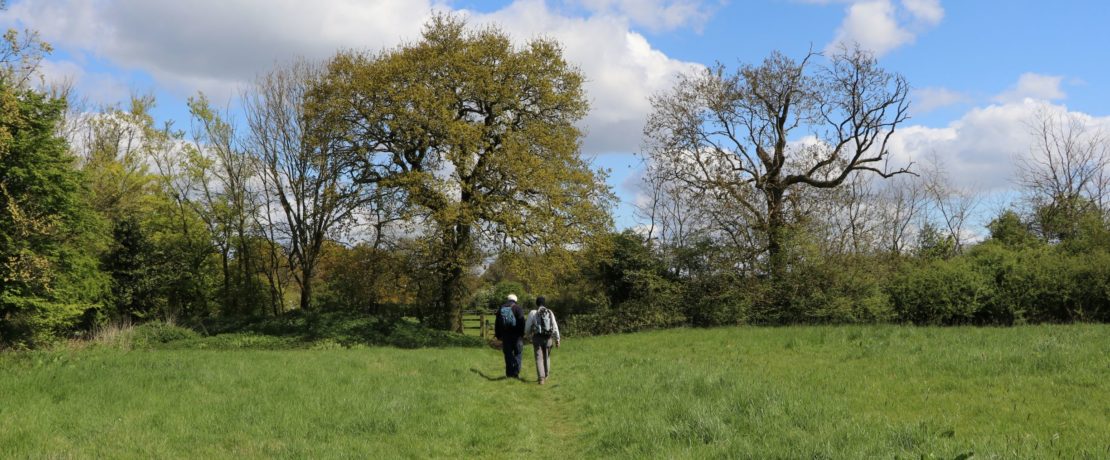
<point>622,69</point>
<point>1034,86</point>
<point>981,148</point>
<point>928,99</point>
<point>656,15</point>
<point>881,26</point>
<point>217,46</point>
<point>928,12</point>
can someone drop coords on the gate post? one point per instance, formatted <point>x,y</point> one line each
<point>482,323</point>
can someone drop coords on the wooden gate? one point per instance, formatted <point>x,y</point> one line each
<point>479,321</point>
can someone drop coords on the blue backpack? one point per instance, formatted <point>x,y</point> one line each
<point>508,319</point>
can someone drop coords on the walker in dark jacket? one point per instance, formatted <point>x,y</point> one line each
<point>511,336</point>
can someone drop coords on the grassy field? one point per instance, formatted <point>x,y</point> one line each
<point>799,392</point>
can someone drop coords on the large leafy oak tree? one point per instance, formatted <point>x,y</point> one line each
<point>479,136</point>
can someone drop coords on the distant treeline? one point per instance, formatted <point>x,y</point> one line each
<point>416,181</point>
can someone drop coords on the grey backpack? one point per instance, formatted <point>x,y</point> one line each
<point>544,322</point>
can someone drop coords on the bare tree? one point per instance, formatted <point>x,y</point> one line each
<point>1066,173</point>
<point>676,216</point>
<point>671,209</point>
<point>275,258</point>
<point>846,218</point>
<point>902,203</point>
<point>301,167</point>
<point>734,133</point>
<point>953,205</point>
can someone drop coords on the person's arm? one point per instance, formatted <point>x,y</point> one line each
<point>519,320</point>
<point>497,326</point>
<point>528,323</point>
<point>555,330</point>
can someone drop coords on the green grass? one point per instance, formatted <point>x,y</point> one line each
<point>800,392</point>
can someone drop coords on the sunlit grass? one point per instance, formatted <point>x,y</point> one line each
<point>807,392</point>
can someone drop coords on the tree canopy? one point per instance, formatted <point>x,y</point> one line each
<point>478,134</point>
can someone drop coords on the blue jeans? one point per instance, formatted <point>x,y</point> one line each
<point>513,348</point>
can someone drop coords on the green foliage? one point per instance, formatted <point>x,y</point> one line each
<point>1009,230</point>
<point>835,290</point>
<point>940,292</point>
<point>638,292</point>
<point>932,243</point>
<point>364,278</point>
<point>136,292</point>
<point>627,254</point>
<point>492,297</point>
<point>1061,216</point>
<point>502,118</point>
<point>33,322</point>
<point>720,300</point>
<point>1046,284</point>
<point>1092,235</point>
<point>48,236</point>
<point>657,303</point>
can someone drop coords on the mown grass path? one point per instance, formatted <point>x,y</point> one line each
<point>812,392</point>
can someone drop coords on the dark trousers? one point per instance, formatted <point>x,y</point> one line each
<point>513,348</point>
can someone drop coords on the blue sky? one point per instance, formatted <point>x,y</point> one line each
<point>979,69</point>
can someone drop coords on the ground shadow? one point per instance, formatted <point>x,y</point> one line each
<point>499,378</point>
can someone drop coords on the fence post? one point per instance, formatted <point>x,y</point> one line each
<point>482,323</point>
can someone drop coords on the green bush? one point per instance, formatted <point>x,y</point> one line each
<point>31,322</point>
<point>492,297</point>
<point>940,292</point>
<point>655,304</point>
<point>156,333</point>
<point>833,290</point>
<point>719,301</point>
<point>1052,286</point>
<point>1094,281</point>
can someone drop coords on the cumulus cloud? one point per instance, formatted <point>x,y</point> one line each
<point>927,12</point>
<point>926,100</point>
<point>1034,86</point>
<point>655,15</point>
<point>217,46</point>
<point>981,148</point>
<point>881,26</point>
<point>621,67</point>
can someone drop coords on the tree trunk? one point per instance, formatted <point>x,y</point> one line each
<point>776,229</point>
<point>306,288</point>
<point>229,298</point>
<point>452,288</point>
<point>451,298</point>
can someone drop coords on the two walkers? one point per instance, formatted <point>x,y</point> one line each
<point>540,327</point>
